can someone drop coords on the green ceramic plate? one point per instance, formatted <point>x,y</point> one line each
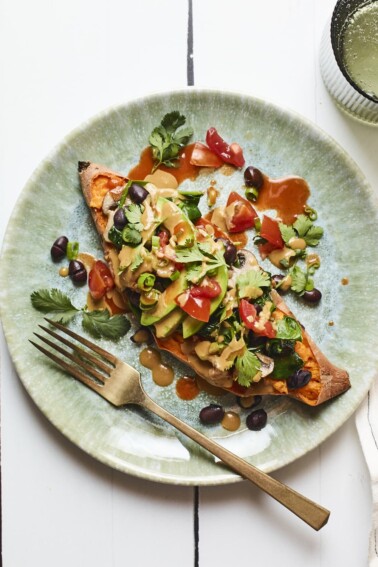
<point>278,142</point>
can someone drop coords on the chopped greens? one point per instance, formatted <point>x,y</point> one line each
<point>247,366</point>
<point>133,215</point>
<point>303,227</point>
<point>249,283</point>
<point>56,302</point>
<point>168,138</point>
<point>101,324</point>
<point>300,280</point>
<point>288,328</point>
<point>61,309</point>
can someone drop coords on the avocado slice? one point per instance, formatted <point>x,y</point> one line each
<point>166,302</point>
<point>190,325</point>
<point>169,323</point>
<point>172,217</point>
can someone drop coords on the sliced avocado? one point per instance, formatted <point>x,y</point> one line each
<point>190,325</point>
<point>169,324</point>
<point>166,302</point>
<point>173,218</point>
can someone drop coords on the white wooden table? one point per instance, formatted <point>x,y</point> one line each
<point>62,62</point>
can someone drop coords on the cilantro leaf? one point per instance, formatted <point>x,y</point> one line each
<point>173,120</point>
<point>166,140</point>
<point>56,302</point>
<point>287,232</point>
<point>194,272</point>
<point>101,324</point>
<point>247,366</point>
<point>192,254</point>
<point>249,283</point>
<point>302,225</point>
<point>300,280</point>
<point>313,235</point>
<point>288,329</point>
<point>133,213</point>
<point>137,262</point>
<point>131,236</point>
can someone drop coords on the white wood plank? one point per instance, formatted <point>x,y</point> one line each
<point>264,49</point>
<point>62,62</point>
<point>244,524</point>
<point>270,50</point>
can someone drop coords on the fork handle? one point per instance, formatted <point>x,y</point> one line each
<point>313,514</point>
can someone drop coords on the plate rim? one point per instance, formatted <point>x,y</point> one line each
<point>128,468</point>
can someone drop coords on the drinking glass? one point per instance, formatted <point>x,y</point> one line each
<point>349,58</point>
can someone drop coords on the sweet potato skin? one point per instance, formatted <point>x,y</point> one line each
<point>328,380</point>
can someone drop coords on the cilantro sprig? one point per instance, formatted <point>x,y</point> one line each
<point>247,366</point>
<point>303,227</point>
<point>97,323</point>
<point>167,139</point>
<point>200,260</point>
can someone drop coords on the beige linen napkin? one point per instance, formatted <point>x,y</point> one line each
<point>367,427</point>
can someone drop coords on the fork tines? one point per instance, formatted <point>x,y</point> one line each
<point>82,358</point>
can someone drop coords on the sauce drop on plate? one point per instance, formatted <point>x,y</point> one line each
<point>187,388</point>
<point>185,170</point>
<point>288,196</point>
<point>162,374</point>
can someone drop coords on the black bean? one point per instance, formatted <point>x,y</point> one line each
<point>253,177</point>
<point>58,249</point>
<point>256,420</point>
<point>119,219</point>
<point>313,296</point>
<point>137,193</point>
<point>230,253</point>
<point>299,379</point>
<point>77,272</point>
<point>211,414</point>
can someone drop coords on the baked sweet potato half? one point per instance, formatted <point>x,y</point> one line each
<point>222,318</point>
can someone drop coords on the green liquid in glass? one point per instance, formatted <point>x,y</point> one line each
<point>361,48</point>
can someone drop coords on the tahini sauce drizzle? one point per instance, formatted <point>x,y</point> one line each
<point>162,374</point>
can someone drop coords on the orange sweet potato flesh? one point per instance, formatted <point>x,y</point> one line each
<point>327,380</point>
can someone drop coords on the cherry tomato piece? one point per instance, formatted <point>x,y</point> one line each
<point>250,319</point>
<point>164,237</point>
<point>240,214</point>
<point>208,288</point>
<point>100,280</point>
<point>228,153</point>
<point>197,307</point>
<point>204,157</point>
<point>270,231</point>
<point>248,313</point>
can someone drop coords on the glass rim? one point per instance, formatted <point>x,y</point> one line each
<point>336,33</point>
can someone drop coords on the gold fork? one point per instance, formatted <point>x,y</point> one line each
<point>120,384</point>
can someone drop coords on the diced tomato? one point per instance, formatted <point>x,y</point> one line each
<point>100,280</point>
<point>265,249</point>
<point>208,288</point>
<point>240,214</point>
<point>164,237</point>
<point>228,153</point>
<point>270,231</point>
<point>250,319</point>
<point>196,307</point>
<point>248,313</point>
<point>204,157</point>
<point>218,233</point>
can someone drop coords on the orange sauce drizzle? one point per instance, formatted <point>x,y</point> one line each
<point>187,388</point>
<point>288,196</point>
<point>185,170</point>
